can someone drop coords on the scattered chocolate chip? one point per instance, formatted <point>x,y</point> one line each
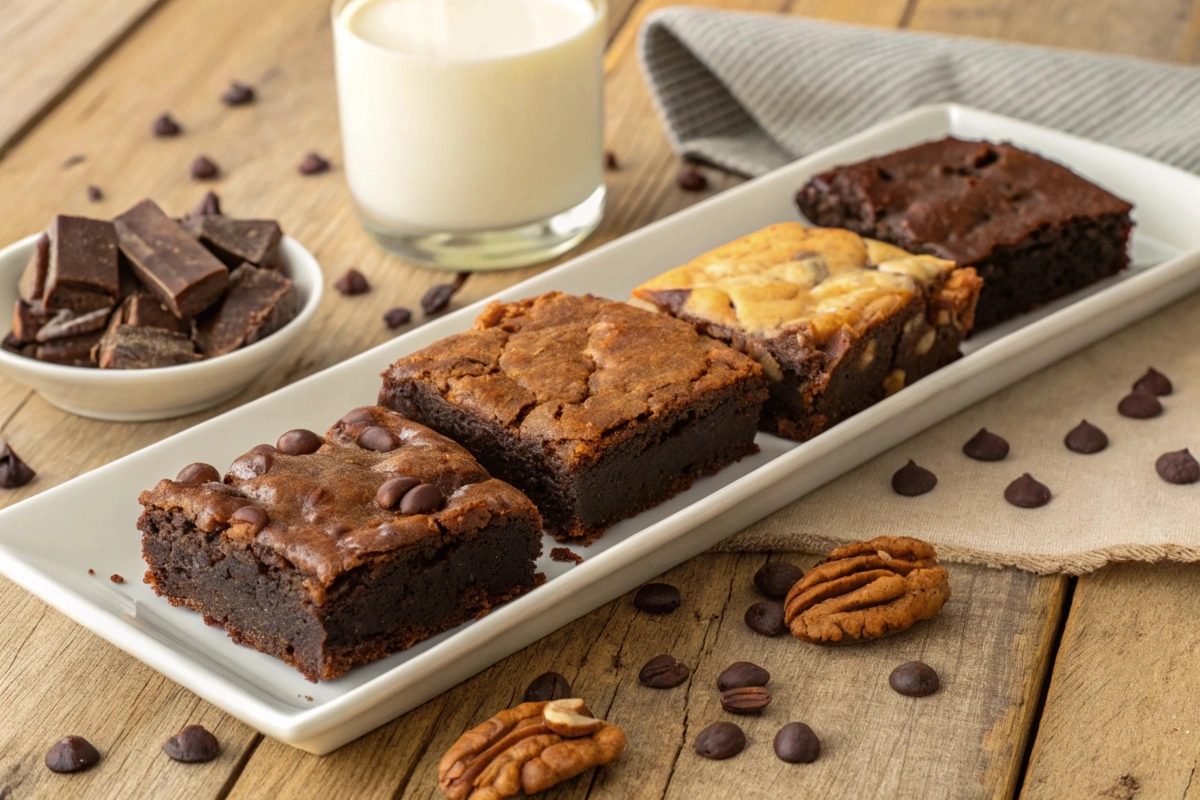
<point>547,686</point>
<point>740,674</point>
<point>193,744</point>
<point>71,161</point>
<point>72,754</point>
<point>914,679</point>
<point>381,440</point>
<point>745,700</point>
<point>205,169</point>
<point>166,126</point>
<point>663,672</point>
<point>1025,492</point>
<point>765,618</point>
<point>313,164</point>
<point>91,572</point>
<point>1086,438</point>
<point>299,442</point>
<point>251,515</point>
<point>94,194</point>
<point>199,472</point>
<point>115,578</point>
<point>438,297</point>
<point>1140,404</point>
<point>911,480</point>
<point>986,446</point>
<point>797,744</point>
<point>392,490</point>
<point>610,160</point>
<point>396,317</point>
<point>13,471</point>
<point>238,94</point>
<point>423,499</point>
<point>657,598</point>
<point>353,282</point>
<point>565,555</point>
<point>691,180</point>
<point>776,578</point>
<point>1179,467</point>
<point>1154,382</point>
<point>209,205</point>
<point>720,740</point>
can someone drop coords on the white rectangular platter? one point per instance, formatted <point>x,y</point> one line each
<point>48,543</point>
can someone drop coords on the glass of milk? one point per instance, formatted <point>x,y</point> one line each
<point>473,130</point>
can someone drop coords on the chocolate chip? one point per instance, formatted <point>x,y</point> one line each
<point>254,464</point>
<point>691,180</point>
<point>423,499</point>
<point>166,126</point>
<point>986,446</point>
<point>13,471</point>
<point>663,672</point>
<point>547,686</point>
<point>1140,404</point>
<point>313,164</point>
<point>765,617</point>
<point>657,598</point>
<point>299,442</point>
<point>914,679</point>
<point>1086,438</point>
<point>396,317</point>
<point>381,440</point>
<point>115,578</point>
<point>71,161</point>
<point>911,480</point>
<point>264,448</point>
<point>776,578</point>
<point>1179,467</point>
<point>352,283</point>
<point>393,489</point>
<point>740,674</point>
<point>193,744</point>
<point>720,740</point>
<point>1154,382</point>
<point>797,744</point>
<point>610,160</point>
<point>199,472</point>
<point>250,515</point>
<point>94,194</point>
<point>72,754</point>
<point>205,169</point>
<point>1025,492</point>
<point>358,416</point>
<point>745,700</point>
<point>438,297</point>
<point>209,205</point>
<point>238,94</point>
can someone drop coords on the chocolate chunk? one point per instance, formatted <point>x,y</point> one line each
<point>299,442</point>
<point>94,194</point>
<point>423,499</point>
<point>1086,438</point>
<point>236,241</point>
<point>205,169</point>
<point>208,205</point>
<point>765,618</point>
<point>66,324</point>
<point>437,298</point>
<point>1140,404</point>
<point>13,471</point>
<point>72,754</point>
<point>82,273</point>
<point>258,303</point>
<point>720,740</point>
<point>547,686</point>
<point>663,672</point>
<point>74,351</point>
<point>115,578</point>
<point>33,279</point>
<point>610,160</point>
<point>396,317</point>
<point>914,679</point>
<point>691,180</point>
<point>378,439</point>
<point>1154,382</point>
<point>127,347</point>
<point>166,126</point>
<point>193,744</point>
<point>565,555</point>
<point>797,744</point>
<point>238,94</point>
<point>776,578</point>
<point>251,515</point>
<point>741,674</point>
<point>14,345</point>
<point>28,319</point>
<point>197,473</point>
<point>912,480</point>
<point>143,311</point>
<point>1179,467</point>
<point>353,282</point>
<point>1025,492</point>
<point>176,268</point>
<point>313,164</point>
<point>657,598</point>
<point>986,446</point>
<point>392,490</point>
<point>745,700</point>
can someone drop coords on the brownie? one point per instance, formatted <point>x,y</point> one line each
<point>333,551</point>
<point>837,321</point>
<point>595,409</point>
<point>1031,228</point>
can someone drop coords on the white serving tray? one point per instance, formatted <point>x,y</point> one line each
<point>48,543</point>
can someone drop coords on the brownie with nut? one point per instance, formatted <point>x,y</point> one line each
<point>837,321</point>
<point>336,550</point>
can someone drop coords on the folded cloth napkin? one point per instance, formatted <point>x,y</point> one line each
<point>751,92</point>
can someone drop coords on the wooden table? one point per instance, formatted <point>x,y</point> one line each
<point>1053,687</point>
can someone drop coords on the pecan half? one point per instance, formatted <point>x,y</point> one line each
<point>517,752</point>
<point>867,590</point>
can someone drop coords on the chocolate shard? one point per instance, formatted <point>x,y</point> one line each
<point>28,319</point>
<point>33,279</point>
<point>73,351</point>
<point>69,324</point>
<point>176,268</point>
<point>143,311</point>
<point>81,272</point>
<point>129,347</point>
<point>258,303</point>
<point>235,241</point>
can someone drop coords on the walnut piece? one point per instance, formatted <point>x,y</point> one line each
<point>867,590</point>
<point>517,752</point>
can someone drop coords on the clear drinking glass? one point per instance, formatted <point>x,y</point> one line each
<point>472,130</point>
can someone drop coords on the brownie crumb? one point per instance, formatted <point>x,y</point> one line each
<point>205,169</point>
<point>238,94</point>
<point>91,572</point>
<point>691,180</point>
<point>166,126</point>
<point>313,164</point>
<point>115,578</point>
<point>565,555</point>
<point>352,283</point>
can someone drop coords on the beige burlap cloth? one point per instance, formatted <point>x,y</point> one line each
<point>1106,507</point>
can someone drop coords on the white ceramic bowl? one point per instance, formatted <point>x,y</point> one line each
<point>131,395</point>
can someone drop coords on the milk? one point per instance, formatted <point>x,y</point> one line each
<point>469,115</point>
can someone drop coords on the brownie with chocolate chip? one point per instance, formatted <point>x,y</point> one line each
<point>336,550</point>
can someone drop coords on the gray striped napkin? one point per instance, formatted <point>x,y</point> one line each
<point>751,92</point>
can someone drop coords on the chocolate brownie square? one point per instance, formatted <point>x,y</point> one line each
<point>1031,228</point>
<point>837,321</point>
<point>595,409</point>
<point>333,551</point>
